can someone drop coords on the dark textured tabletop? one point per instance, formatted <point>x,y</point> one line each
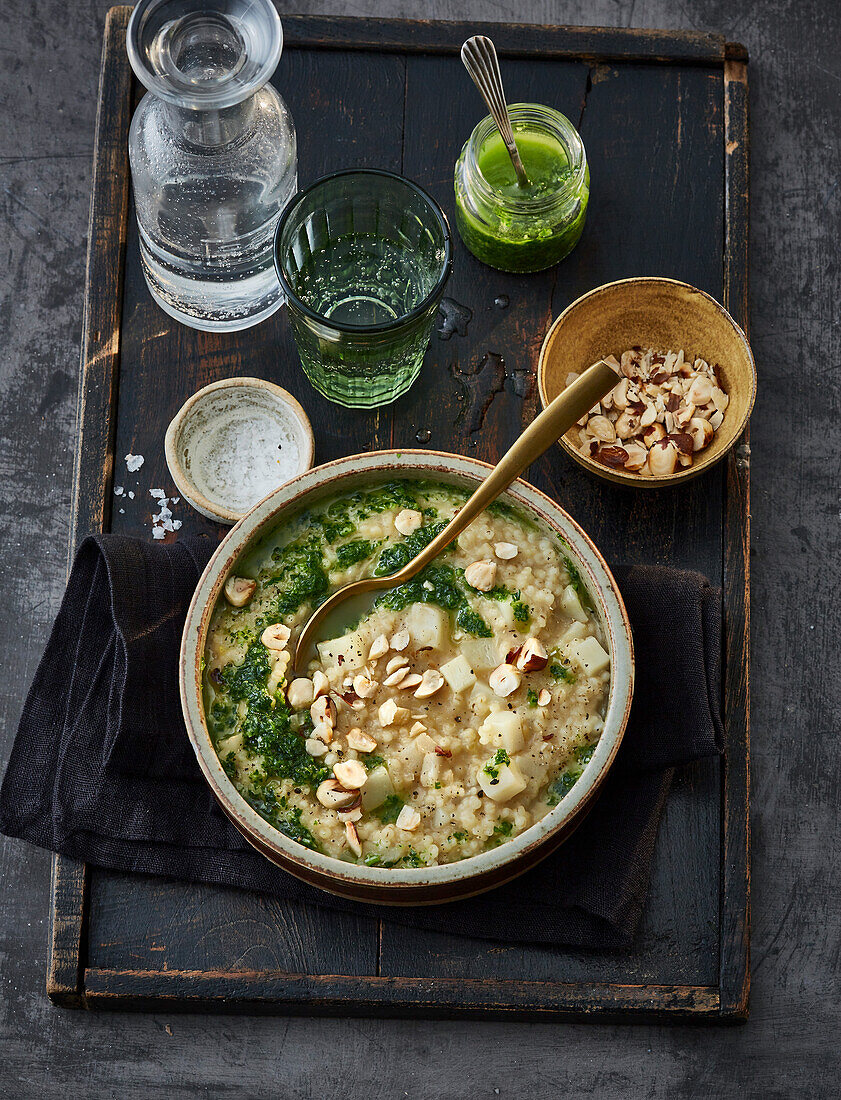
<point>789,1048</point>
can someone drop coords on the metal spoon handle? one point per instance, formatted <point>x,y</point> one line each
<point>555,420</point>
<point>479,56</point>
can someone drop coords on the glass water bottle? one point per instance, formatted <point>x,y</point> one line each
<point>213,157</point>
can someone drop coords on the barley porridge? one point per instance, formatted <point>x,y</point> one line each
<point>452,716</point>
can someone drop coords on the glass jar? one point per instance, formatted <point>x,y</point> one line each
<point>213,157</point>
<point>523,229</point>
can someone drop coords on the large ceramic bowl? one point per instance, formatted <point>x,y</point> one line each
<point>423,885</point>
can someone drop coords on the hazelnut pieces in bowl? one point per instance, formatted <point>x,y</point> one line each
<point>687,379</point>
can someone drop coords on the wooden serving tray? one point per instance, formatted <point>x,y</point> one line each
<point>664,120</point>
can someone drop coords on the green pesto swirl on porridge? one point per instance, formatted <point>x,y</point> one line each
<point>454,715</point>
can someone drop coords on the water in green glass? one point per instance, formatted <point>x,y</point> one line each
<point>355,282</point>
<point>364,280</point>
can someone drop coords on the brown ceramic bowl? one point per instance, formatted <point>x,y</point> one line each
<point>651,313</point>
<point>422,885</point>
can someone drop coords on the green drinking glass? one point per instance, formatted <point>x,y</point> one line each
<point>363,257</point>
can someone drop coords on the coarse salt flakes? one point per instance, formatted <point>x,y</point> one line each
<point>131,494</point>
<point>158,532</point>
<point>118,491</point>
<point>134,462</point>
<point>158,494</point>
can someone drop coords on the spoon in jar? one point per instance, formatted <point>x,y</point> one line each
<point>479,56</point>
<point>555,420</point>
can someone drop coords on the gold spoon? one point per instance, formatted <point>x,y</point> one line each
<point>555,420</point>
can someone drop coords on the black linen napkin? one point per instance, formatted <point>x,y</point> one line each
<point>102,770</point>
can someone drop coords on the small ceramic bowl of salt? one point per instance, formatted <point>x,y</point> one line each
<point>234,442</point>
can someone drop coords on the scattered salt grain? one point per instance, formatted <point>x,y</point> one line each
<point>162,521</point>
<point>122,511</point>
<point>131,494</point>
<point>134,462</point>
<point>118,491</point>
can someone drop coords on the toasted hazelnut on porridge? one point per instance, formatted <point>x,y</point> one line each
<point>431,682</point>
<point>361,742</point>
<point>332,794</point>
<point>504,680</point>
<point>400,640</point>
<point>299,694</point>
<point>276,636</point>
<point>351,774</point>
<point>532,656</point>
<point>379,648</point>
<point>397,663</point>
<point>408,521</point>
<point>364,686</point>
<point>315,747</point>
<point>481,575</point>
<point>390,712</point>
<point>544,697</point>
<point>410,681</point>
<point>239,590</point>
<point>395,677</point>
<point>353,838</point>
<point>323,731</point>
<point>408,819</point>
<point>324,710</point>
<point>506,550</point>
<point>320,683</point>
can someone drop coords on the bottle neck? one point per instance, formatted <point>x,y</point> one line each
<point>211,128</point>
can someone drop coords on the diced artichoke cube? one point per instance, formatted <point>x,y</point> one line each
<point>427,625</point>
<point>590,655</point>
<point>571,605</point>
<point>504,730</point>
<point>458,673</point>
<point>509,781</point>
<point>349,651</point>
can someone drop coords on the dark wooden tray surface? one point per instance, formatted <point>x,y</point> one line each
<point>664,119</point>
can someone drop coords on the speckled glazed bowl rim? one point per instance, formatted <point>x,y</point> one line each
<point>426,884</point>
<point>211,508</point>
<point>624,477</point>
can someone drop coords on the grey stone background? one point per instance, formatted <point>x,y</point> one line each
<point>790,1048</point>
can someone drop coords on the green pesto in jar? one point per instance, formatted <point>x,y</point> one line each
<point>516,228</point>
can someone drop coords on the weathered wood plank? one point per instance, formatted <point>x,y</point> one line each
<point>511,39</point>
<point>96,413</point>
<point>735,916</point>
<point>337,994</point>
